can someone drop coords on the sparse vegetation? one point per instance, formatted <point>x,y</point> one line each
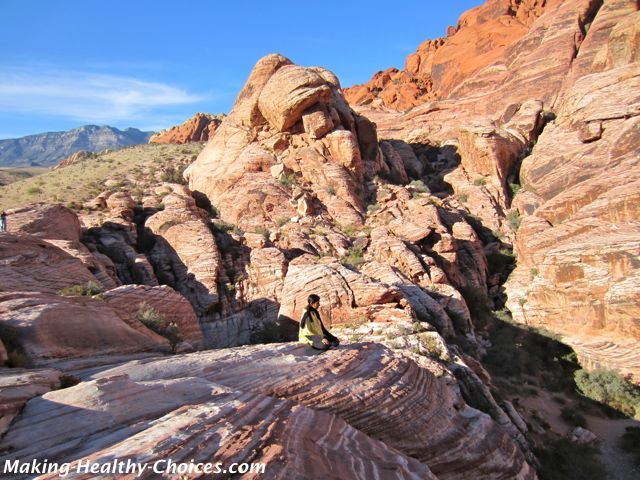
<point>514,188</point>
<point>83,180</point>
<point>418,187</point>
<point>562,459</point>
<point>174,175</point>
<point>573,417</point>
<point>288,179</point>
<point>463,197</point>
<point>354,258</point>
<point>281,221</point>
<point>610,388</point>
<point>331,189</point>
<point>155,322</point>
<point>513,217</point>
<point>81,290</point>
<point>630,442</point>
<point>534,273</point>
<point>349,230</point>
<point>264,232</point>
<point>480,182</point>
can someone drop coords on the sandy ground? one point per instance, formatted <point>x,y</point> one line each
<point>619,464</point>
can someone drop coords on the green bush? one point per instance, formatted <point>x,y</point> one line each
<point>349,230</point>
<point>573,417</point>
<point>331,189</point>
<point>174,175</point>
<point>513,217</point>
<point>564,460</point>
<point>81,290</point>
<point>264,232</point>
<point>630,442</point>
<point>152,319</point>
<point>463,197</point>
<point>480,181</point>
<point>419,186</point>
<point>34,190</point>
<point>354,258</point>
<point>609,388</point>
<point>515,188</point>
<point>288,179</point>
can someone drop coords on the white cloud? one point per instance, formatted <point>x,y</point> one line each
<point>87,97</point>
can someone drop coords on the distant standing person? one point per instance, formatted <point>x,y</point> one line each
<point>3,221</point>
<point>312,331</point>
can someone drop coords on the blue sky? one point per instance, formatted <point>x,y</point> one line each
<point>151,65</point>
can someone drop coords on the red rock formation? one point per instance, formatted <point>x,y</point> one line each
<point>483,35</point>
<point>579,235</point>
<point>17,386</point>
<point>33,265</point>
<point>273,400</point>
<point>52,327</point>
<point>186,252</point>
<point>291,146</point>
<point>199,128</point>
<point>128,300</point>
<point>74,158</point>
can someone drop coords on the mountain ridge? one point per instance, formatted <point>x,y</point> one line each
<point>48,148</point>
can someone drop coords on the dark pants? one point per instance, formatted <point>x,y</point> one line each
<point>319,345</point>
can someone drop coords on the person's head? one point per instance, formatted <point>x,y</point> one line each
<point>313,300</point>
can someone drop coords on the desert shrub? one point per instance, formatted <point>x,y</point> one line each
<point>34,190</point>
<point>610,388</point>
<point>264,232</point>
<point>281,221</point>
<point>513,217</point>
<point>155,322</point>
<point>463,197</point>
<point>354,258</point>
<point>18,359</point>
<point>349,230</point>
<point>174,175</point>
<point>289,179</point>
<point>373,208</point>
<point>480,181</point>
<point>167,225</point>
<point>419,186</point>
<point>81,290</point>
<point>330,189</point>
<point>573,417</point>
<point>514,188</point>
<point>564,460</point>
<point>630,442</point>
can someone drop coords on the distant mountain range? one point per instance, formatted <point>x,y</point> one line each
<point>46,149</point>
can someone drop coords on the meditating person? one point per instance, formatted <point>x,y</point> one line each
<point>312,331</point>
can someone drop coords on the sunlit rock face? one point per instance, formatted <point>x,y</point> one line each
<point>294,409</point>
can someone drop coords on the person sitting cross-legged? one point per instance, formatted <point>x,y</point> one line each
<point>312,330</point>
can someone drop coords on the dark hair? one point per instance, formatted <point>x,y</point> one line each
<point>313,298</point>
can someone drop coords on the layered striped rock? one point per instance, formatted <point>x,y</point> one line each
<point>290,127</point>
<point>199,128</point>
<point>129,300</point>
<point>185,254</point>
<point>193,418</point>
<point>384,395</point>
<point>52,327</point>
<point>577,274</point>
<point>17,386</point>
<point>393,408</point>
<point>346,295</point>
<point>32,264</point>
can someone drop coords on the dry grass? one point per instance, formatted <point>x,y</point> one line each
<point>131,169</point>
<point>10,175</point>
